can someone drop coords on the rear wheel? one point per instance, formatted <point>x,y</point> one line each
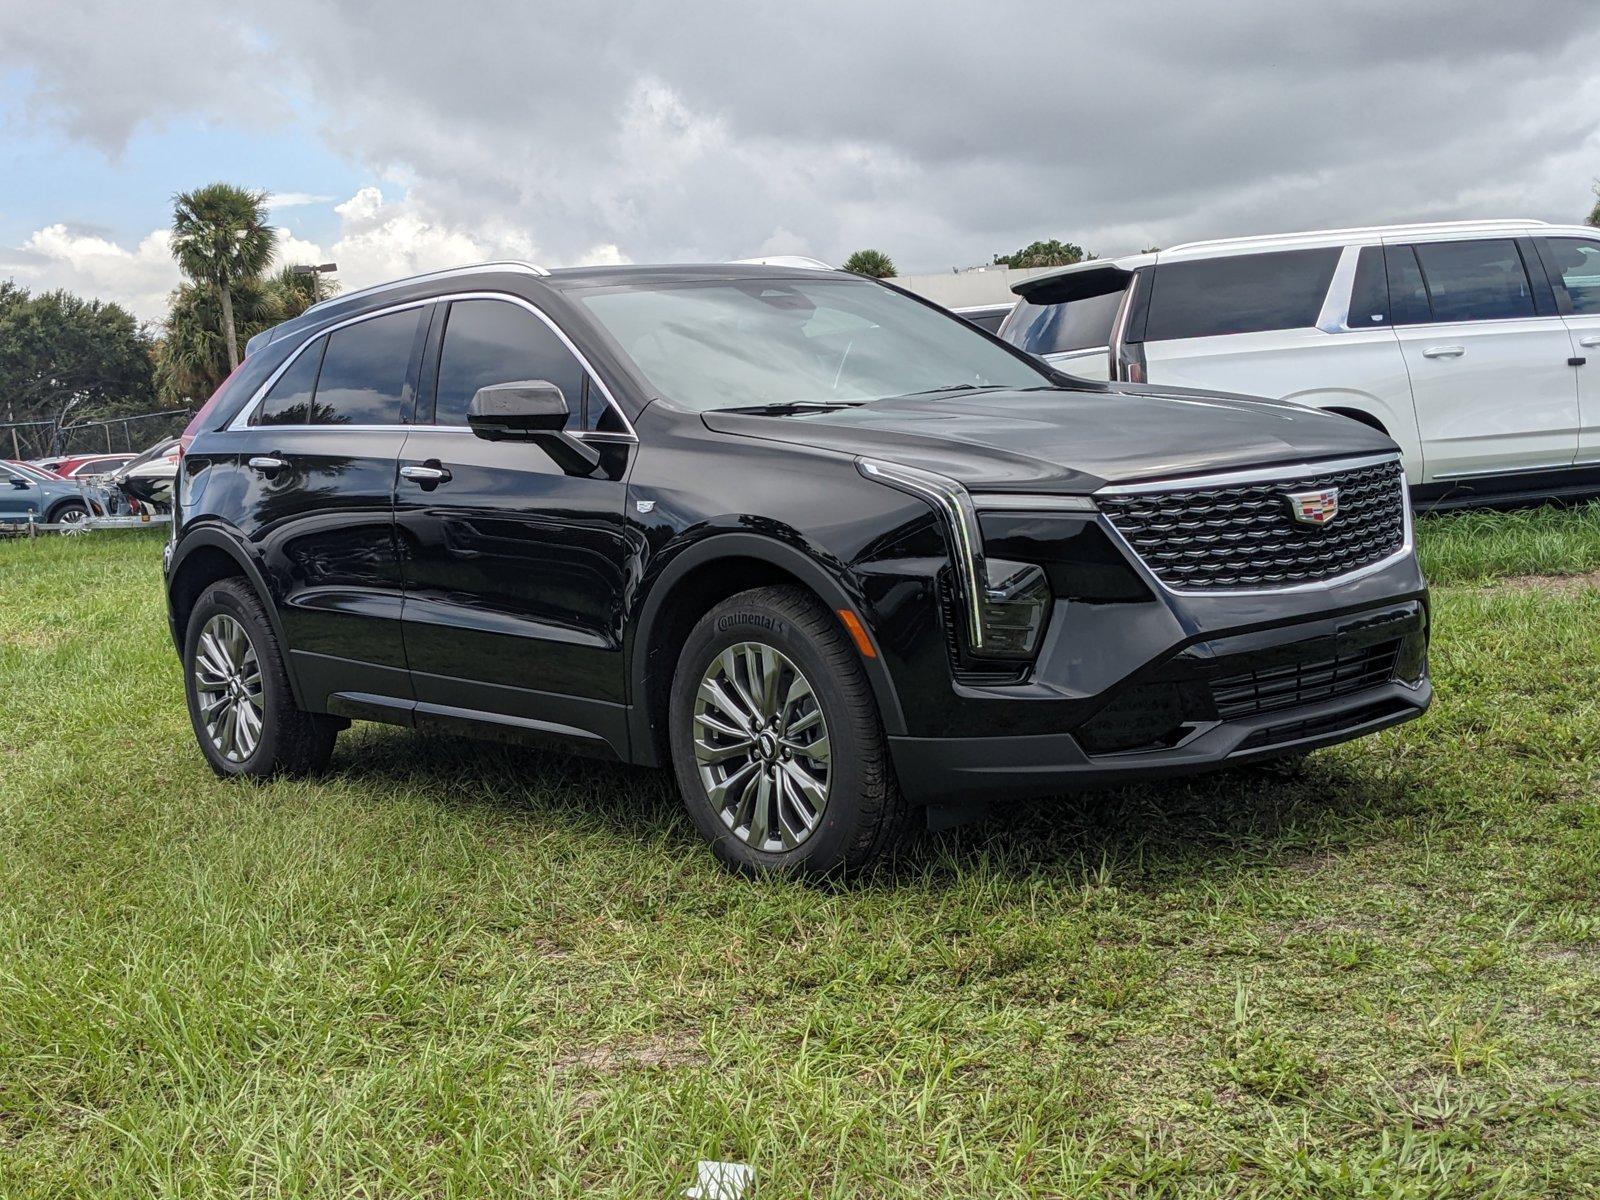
<point>776,739</point>
<point>240,702</point>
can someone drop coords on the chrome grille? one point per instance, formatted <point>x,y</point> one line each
<point>1242,536</point>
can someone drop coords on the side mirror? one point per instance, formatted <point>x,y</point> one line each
<point>18,482</point>
<point>505,411</point>
<point>531,410</point>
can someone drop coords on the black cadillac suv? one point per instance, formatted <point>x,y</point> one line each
<point>829,552</point>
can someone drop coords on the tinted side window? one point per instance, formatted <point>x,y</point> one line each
<point>1408,295</point>
<point>492,341</point>
<point>1056,328</point>
<point>1369,296</point>
<point>289,401</point>
<point>1244,293</point>
<point>1475,280</point>
<point>364,372</point>
<point>1574,267</point>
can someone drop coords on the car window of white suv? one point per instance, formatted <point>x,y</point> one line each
<point>1240,293</point>
<point>1476,280</point>
<point>1574,265</point>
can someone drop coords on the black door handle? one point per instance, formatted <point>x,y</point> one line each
<point>1577,360</point>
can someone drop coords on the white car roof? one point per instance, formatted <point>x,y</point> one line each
<point>1307,239</point>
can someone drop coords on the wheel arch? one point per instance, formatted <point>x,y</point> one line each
<point>698,578</point>
<point>54,510</point>
<point>203,558</point>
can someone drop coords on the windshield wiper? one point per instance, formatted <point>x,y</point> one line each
<point>949,387</point>
<point>779,407</point>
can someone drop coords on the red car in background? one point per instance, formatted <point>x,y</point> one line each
<point>75,466</point>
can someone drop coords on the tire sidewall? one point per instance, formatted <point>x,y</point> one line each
<point>729,625</point>
<point>65,507</point>
<point>222,599</point>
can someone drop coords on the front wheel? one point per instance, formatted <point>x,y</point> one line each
<point>240,702</point>
<point>776,739</point>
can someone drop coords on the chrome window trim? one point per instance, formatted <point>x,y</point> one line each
<point>246,414</point>
<point>1285,474</point>
<point>447,273</point>
<point>1253,475</point>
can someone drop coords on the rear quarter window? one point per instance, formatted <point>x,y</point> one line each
<point>1242,293</point>
<point>1059,328</point>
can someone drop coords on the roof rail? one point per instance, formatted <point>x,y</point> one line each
<point>782,260</point>
<point>1491,223</point>
<point>445,273</point>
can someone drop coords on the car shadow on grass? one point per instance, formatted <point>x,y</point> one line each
<point>1240,820</point>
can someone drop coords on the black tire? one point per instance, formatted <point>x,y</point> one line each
<point>864,817</point>
<point>69,511</point>
<point>291,741</point>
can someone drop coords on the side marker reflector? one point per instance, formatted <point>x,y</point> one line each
<point>858,633</point>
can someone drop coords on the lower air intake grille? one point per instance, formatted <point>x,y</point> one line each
<point>1246,536</point>
<point>1269,688</point>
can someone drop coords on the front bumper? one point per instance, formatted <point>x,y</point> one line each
<point>1207,703</point>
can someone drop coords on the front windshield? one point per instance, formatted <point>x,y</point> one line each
<point>762,342</point>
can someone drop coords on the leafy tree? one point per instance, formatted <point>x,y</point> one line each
<point>61,354</point>
<point>298,292</point>
<point>874,264</point>
<point>192,359</point>
<point>221,239</point>
<point>1053,253</point>
<point>1594,213</point>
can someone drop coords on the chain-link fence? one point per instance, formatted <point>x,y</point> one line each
<point>40,439</point>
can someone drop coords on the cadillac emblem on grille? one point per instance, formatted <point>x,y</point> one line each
<point>1314,508</point>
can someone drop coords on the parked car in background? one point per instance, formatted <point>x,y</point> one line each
<point>147,479</point>
<point>823,548</point>
<point>29,492</point>
<point>987,317</point>
<point>1472,343</point>
<point>83,466</point>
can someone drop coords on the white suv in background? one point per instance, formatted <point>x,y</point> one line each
<point>1468,342</point>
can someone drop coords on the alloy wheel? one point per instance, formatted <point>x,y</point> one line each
<point>761,746</point>
<point>228,688</point>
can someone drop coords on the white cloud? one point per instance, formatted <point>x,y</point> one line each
<point>58,257</point>
<point>295,199</point>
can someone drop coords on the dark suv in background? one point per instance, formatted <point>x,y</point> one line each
<point>828,551</point>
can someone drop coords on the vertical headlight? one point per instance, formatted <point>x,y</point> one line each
<point>1004,604</point>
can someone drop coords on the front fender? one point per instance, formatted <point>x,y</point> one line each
<point>832,584</point>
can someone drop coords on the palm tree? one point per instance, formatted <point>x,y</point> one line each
<point>221,238</point>
<point>874,264</point>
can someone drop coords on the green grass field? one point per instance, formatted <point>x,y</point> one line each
<point>450,969</point>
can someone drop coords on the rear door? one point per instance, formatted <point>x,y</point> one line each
<point>317,461</point>
<point>1487,355</point>
<point>1572,265</point>
<point>514,568</point>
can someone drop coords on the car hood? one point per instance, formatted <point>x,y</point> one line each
<point>1069,440</point>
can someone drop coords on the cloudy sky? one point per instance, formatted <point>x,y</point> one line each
<point>401,136</point>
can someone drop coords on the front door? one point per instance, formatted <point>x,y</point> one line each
<point>19,496</point>
<point>514,569</point>
<point>317,462</point>
<point>1487,356</point>
<point>1573,265</point>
